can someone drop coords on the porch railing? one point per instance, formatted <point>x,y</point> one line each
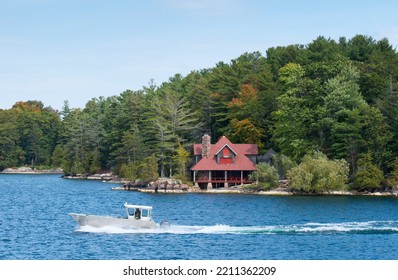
<point>222,179</point>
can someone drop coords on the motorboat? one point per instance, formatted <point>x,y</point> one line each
<point>137,216</point>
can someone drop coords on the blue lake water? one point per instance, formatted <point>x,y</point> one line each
<point>35,224</point>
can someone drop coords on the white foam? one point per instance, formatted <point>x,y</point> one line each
<point>346,227</point>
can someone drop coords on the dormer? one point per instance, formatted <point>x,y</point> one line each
<point>226,155</point>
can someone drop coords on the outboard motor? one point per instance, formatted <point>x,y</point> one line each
<point>165,223</point>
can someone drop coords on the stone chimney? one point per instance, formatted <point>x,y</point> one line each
<point>206,145</point>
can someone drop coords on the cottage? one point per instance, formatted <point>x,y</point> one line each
<point>223,164</point>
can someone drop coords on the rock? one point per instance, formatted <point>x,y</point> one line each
<point>184,187</point>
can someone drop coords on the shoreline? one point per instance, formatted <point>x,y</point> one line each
<point>110,178</point>
<point>276,192</point>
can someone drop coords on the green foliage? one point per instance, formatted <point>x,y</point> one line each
<point>266,177</point>
<point>58,156</point>
<point>283,164</point>
<point>317,174</point>
<point>368,175</point>
<point>130,171</point>
<point>145,170</point>
<point>11,153</point>
<point>28,134</point>
<point>180,160</point>
<point>392,179</point>
<point>149,169</point>
<point>168,122</point>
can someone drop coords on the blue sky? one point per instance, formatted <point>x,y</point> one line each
<point>75,50</point>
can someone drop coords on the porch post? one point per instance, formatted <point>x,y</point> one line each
<point>225,179</point>
<point>241,177</point>
<point>209,184</point>
<point>194,176</point>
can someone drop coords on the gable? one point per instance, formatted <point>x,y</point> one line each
<point>246,149</point>
<point>224,155</point>
<point>225,150</point>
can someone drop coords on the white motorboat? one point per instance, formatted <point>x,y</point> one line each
<point>137,217</point>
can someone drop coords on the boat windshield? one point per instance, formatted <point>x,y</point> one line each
<point>139,212</point>
<point>145,213</point>
<point>131,211</point>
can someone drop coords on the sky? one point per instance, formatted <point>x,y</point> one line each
<point>76,50</point>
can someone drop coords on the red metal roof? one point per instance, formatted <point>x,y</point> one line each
<point>242,162</point>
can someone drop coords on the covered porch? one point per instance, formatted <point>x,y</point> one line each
<point>221,179</point>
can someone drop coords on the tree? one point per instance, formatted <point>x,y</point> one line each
<point>72,137</point>
<point>378,137</point>
<point>294,116</point>
<point>11,154</point>
<point>242,112</point>
<point>131,148</point>
<point>58,156</point>
<point>198,96</point>
<point>180,160</point>
<point>392,179</point>
<point>169,122</point>
<point>277,57</point>
<point>125,129</point>
<point>131,171</point>
<point>158,132</point>
<point>149,169</point>
<point>38,131</point>
<point>345,107</point>
<point>368,176</point>
<point>283,164</point>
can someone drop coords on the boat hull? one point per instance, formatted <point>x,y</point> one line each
<point>103,221</point>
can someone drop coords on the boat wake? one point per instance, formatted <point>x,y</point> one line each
<point>370,227</point>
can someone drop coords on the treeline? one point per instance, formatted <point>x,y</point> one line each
<point>336,97</point>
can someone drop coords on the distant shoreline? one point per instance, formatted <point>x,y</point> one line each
<point>29,170</point>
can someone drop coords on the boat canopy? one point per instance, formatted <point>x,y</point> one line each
<point>127,206</point>
<point>138,212</point>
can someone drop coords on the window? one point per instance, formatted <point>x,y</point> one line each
<point>225,152</point>
<point>225,160</point>
<point>145,213</point>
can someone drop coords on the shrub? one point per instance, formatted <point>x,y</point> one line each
<point>283,164</point>
<point>266,177</point>
<point>318,174</point>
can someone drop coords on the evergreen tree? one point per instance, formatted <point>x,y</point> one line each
<point>368,176</point>
<point>392,179</point>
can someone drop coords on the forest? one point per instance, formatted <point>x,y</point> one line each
<point>337,98</point>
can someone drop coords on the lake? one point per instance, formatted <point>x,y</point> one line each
<point>35,224</point>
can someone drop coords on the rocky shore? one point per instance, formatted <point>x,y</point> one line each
<point>172,186</point>
<point>29,170</point>
<point>106,177</point>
